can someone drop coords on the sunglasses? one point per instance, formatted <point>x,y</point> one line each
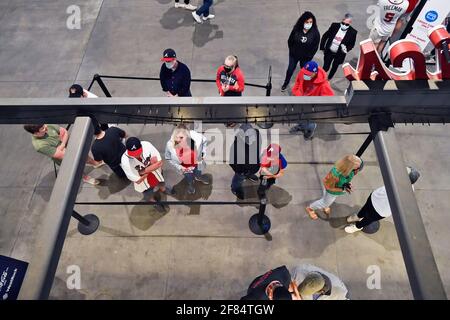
<point>345,24</point>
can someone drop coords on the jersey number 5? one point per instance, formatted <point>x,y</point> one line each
<point>389,16</point>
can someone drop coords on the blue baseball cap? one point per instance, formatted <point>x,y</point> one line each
<point>311,67</point>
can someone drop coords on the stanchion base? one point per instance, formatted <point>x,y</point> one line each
<point>265,125</point>
<point>372,228</point>
<point>258,229</point>
<point>94,222</point>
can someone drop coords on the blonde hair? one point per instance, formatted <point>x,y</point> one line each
<point>233,60</point>
<point>181,128</point>
<point>348,163</point>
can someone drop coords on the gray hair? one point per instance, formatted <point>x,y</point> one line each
<point>348,16</point>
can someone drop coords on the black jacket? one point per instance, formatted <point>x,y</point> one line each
<point>257,289</point>
<point>178,81</point>
<point>304,45</point>
<point>349,39</point>
<point>244,156</point>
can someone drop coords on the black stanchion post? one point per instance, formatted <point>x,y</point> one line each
<point>269,83</point>
<point>365,145</point>
<point>102,85</point>
<point>87,224</point>
<point>260,223</point>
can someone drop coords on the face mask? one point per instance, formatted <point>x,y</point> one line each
<point>170,65</point>
<point>344,27</point>
<point>307,26</point>
<point>307,78</point>
<point>227,69</point>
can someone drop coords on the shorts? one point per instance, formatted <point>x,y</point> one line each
<point>376,37</point>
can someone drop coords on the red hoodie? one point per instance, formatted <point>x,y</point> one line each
<point>235,77</point>
<point>319,86</point>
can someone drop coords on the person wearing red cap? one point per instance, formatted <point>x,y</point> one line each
<point>273,164</point>
<point>142,165</point>
<point>311,81</point>
<point>175,76</point>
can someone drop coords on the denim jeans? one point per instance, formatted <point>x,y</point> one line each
<point>190,176</point>
<point>292,65</point>
<point>204,9</point>
<point>236,183</point>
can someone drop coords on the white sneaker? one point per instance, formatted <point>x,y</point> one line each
<point>353,218</point>
<point>190,7</point>
<point>196,17</point>
<point>91,180</point>
<point>352,228</point>
<point>211,16</point>
<point>180,5</point>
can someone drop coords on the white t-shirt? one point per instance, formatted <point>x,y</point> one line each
<point>390,12</point>
<point>90,94</point>
<point>380,202</point>
<point>337,40</point>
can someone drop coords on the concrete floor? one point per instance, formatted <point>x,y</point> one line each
<point>202,252</point>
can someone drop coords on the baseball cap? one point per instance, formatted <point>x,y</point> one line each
<point>134,147</point>
<point>169,55</point>
<point>273,147</point>
<point>75,91</point>
<point>310,68</point>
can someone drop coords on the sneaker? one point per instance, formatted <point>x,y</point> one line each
<point>180,5</point>
<point>196,17</point>
<point>284,88</point>
<point>253,178</point>
<point>91,180</point>
<point>159,207</point>
<point>352,228</point>
<point>190,7</point>
<point>100,164</point>
<point>239,194</point>
<point>353,218</point>
<point>211,16</point>
<point>310,133</point>
<point>191,189</point>
<point>169,191</point>
<point>202,179</point>
<point>296,129</point>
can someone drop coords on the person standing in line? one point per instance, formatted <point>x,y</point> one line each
<point>244,157</point>
<point>185,151</point>
<point>339,39</point>
<point>303,44</point>
<point>142,165</point>
<point>51,141</point>
<point>202,14</point>
<point>273,285</point>
<point>314,283</point>
<point>175,76</point>
<point>311,81</point>
<point>77,91</point>
<point>230,80</point>
<point>108,147</point>
<point>336,183</point>
<point>377,206</point>
<point>273,164</point>
<point>186,5</point>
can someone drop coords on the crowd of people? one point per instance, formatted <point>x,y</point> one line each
<point>141,163</point>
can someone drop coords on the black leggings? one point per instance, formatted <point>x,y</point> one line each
<point>368,214</point>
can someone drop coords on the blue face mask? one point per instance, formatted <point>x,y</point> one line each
<point>170,65</point>
<point>307,78</point>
